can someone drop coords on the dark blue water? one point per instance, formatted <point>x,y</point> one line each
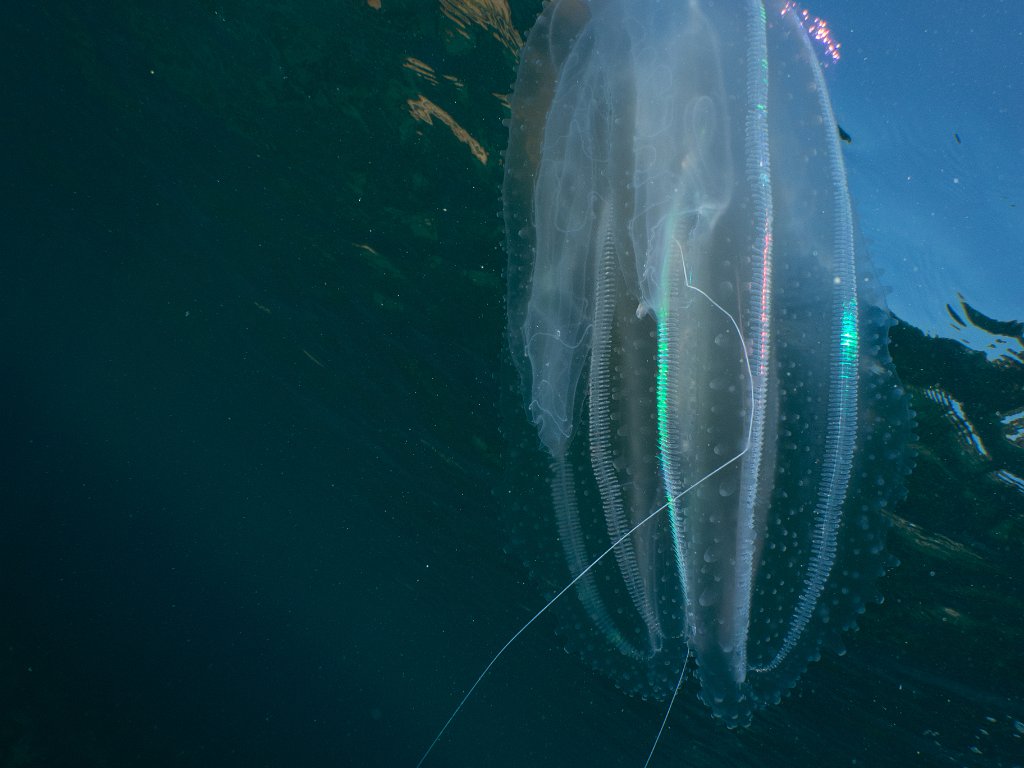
<point>252,306</point>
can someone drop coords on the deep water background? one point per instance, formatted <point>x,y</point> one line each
<point>251,305</point>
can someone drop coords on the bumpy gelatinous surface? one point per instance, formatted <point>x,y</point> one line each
<point>694,329</point>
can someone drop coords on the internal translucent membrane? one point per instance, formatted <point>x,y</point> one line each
<point>685,300</point>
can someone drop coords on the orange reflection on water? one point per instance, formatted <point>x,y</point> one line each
<point>421,68</point>
<point>492,15</point>
<point>425,110</point>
